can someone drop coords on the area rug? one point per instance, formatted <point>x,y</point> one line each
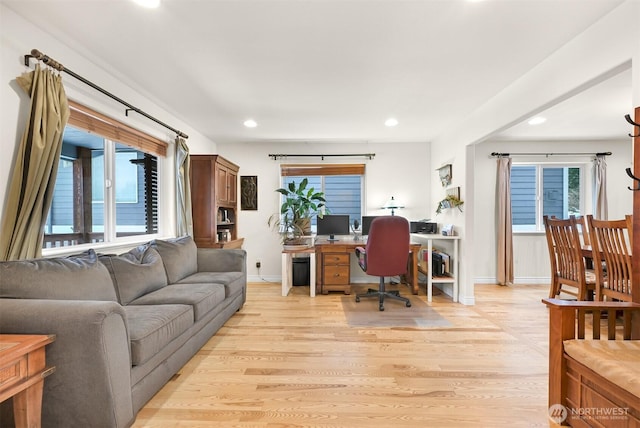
<point>395,314</point>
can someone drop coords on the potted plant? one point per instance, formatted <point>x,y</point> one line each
<point>450,201</point>
<point>298,208</point>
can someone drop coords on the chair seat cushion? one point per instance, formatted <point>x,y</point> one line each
<point>618,361</point>
<point>153,327</point>
<point>203,297</point>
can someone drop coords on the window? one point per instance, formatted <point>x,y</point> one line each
<point>342,186</point>
<point>545,189</point>
<point>107,182</point>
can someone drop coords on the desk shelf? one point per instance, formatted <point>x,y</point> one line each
<point>426,267</point>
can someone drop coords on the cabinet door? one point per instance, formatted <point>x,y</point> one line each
<point>222,184</point>
<point>232,186</point>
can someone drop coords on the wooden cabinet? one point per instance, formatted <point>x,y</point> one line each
<point>214,201</point>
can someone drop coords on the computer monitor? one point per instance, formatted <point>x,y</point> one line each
<point>334,224</point>
<point>366,223</point>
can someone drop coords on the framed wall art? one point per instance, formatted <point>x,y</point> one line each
<point>249,192</point>
<point>444,172</point>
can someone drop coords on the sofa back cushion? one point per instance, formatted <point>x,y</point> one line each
<point>179,255</point>
<point>136,273</point>
<point>77,277</point>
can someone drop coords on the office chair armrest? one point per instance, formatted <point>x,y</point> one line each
<point>361,254</point>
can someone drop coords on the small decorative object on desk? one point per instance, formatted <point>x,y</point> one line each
<point>447,230</point>
<point>354,228</point>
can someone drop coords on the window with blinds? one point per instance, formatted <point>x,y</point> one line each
<point>342,185</point>
<point>107,182</point>
<point>545,189</point>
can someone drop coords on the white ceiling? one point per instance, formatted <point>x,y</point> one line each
<point>331,70</point>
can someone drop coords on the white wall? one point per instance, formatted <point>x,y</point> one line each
<point>17,38</point>
<point>607,45</point>
<point>398,169</point>
<point>531,257</point>
<point>601,51</point>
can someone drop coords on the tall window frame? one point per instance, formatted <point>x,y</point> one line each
<point>563,194</point>
<point>115,138</point>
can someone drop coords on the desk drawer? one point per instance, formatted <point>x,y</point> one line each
<point>336,275</point>
<point>13,372</point>
<point>336,259</point>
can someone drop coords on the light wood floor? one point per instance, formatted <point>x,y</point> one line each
<point>293,361</point>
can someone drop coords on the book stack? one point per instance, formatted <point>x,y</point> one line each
<point>440,263</point>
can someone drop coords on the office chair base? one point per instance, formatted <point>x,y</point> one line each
<point>394,294</point>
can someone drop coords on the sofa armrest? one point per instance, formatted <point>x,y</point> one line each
<point>91,385</point>
<point>222,260</point>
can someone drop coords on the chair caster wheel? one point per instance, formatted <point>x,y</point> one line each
<point>408,304</point>
<point>357,299</point>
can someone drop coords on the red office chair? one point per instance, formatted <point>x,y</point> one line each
<point>386,254</point>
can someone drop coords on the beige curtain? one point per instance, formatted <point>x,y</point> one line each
<point>600,203</point>
<point>184,218</point>
<point>504,273</point>
<point>36,166</point>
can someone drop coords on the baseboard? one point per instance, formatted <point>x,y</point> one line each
<point>516,280</point>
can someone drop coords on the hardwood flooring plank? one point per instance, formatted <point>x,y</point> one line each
<point>295,362</point>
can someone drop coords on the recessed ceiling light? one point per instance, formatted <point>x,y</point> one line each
<point>151,4</point>
<point>537,120</point>
<point>391,122</point>
<point>250,123</point>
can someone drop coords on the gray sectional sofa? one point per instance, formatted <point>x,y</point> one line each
<point>124,324</point>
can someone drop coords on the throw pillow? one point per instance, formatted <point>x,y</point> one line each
<point>179,255</point>
<point>78,277</point>
<point>136,273</point>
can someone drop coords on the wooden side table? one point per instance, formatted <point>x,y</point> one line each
<point>22,372</point>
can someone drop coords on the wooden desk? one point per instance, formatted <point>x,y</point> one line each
<point>333,271</point>
<point>22,373</point>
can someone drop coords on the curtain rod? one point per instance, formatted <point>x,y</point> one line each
<point>35,53</point>
<point>496,154</point>
<point>277,156</point>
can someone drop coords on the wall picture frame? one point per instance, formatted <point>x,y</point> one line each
<point>249,192</point>
<point>444,173</point>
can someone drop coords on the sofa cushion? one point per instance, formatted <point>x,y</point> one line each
<point>179,255</point>
<point>153,327</point>
<point>233,281</point>
<point>135,273</point>
<point>616,360</point>
<point>203,297</point>
<point>78,277</point>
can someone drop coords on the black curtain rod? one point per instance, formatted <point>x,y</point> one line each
<point>276,156</point>
<point>35,53</point>
<point>496,154</point>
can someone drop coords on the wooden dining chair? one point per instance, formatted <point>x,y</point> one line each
<point>583,230</point>
<point>611,243</point>
<point>569,273</point>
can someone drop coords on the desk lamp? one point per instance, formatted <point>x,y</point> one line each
<point>392,205</point>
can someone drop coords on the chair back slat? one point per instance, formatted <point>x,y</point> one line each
<point>611,243</point>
